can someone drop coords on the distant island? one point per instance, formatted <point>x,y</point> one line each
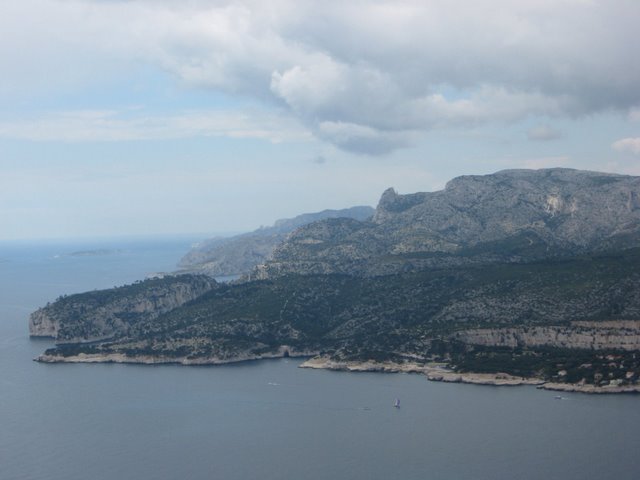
<point>519,277</point>
<point>94,253</point>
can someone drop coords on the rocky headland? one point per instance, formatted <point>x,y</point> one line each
<point>103,314</point>
<point>521,277</point>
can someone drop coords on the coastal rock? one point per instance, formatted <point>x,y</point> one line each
<point>160,359</point>
<point>441,373</point>
<point>433,371</point>
<point>328,363</point>
<point>103,314</point>
<point>586,388</point>
<point>41,324</point>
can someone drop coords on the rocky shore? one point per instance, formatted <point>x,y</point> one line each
<point>437,372</point>
<point>164,360</point>
<point>586,388</point>
<point>327,363</point>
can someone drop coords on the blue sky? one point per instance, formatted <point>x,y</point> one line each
<point>158,117</point>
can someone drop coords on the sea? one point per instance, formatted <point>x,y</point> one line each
<point>268,420</point>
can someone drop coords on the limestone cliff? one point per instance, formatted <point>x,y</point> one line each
<point>104,314</point>
<point>604,335</point>
<point>43,324</point>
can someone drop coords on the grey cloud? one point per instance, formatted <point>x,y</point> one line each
<point>386,68</point>
<point>543,133</point>
<point>362,139</point>
<point>370,76</point>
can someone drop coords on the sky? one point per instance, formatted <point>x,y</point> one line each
<point>162,117</point>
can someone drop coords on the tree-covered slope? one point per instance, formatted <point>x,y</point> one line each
<point>102,314</point>
<point>414,315</point>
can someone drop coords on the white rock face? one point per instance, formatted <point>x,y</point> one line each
<point>100,315</point>
<point>553,205</point>
<point>623,335</point>
<point>41,325</point>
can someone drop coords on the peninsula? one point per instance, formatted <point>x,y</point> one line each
<point>520,277</point>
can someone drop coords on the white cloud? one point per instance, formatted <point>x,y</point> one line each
<point>630,145</point>
<point>109,126</point>
<point>380,71</point>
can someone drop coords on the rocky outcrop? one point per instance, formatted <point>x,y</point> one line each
<point>160,359</point>
<point>328,363</point>
<point>589,388</point>
<point>509,216</point>
<point>605,335</point>
<point>43,324</point>
<point>103,314</point>
<point>241,253</point>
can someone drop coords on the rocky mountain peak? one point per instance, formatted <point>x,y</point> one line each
<point>392,203</point>
<point>512,215</point>
<point>389,195</point>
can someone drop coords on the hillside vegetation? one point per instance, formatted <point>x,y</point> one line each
<point>532,273</point>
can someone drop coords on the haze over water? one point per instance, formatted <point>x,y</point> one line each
<point>268,420</point>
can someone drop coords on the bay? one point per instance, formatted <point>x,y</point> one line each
<point>269,419</point>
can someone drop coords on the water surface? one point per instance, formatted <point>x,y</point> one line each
<point>270,419</point>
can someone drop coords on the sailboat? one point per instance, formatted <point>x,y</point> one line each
<point>396,404</point>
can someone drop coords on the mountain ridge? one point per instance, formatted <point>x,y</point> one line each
<point>532,273</point>
<point>230,256</point>
<point>562,211</point>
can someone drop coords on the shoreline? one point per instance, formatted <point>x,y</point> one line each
<point>434,372</point>
<point>438,372</point>
<point>164,360</point>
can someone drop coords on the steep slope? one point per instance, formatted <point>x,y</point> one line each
<point>239,254</point>
<point>103,314</point>
<point>417,315</point>
<point>509,216</point>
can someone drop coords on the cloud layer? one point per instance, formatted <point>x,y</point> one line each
<point>366,76</point>
<point>630,145</point>
<point>110,126</point>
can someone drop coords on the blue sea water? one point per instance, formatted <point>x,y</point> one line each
<point>268,420</point>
